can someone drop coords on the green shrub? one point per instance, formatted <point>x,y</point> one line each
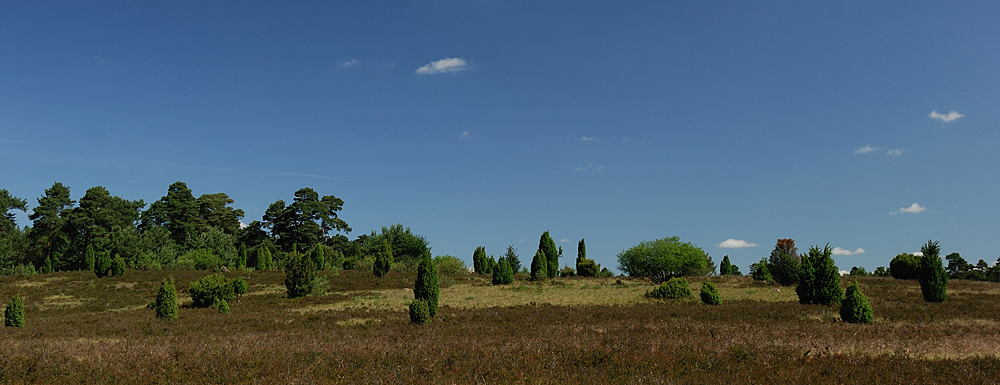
<point>46,266</point>
<point>539,264</point>
<point>426,288</point>
<point>905,266</point>
<point>784,263</point>
<point>933,277</point>
<point>241,261</point>
<point>587,268</point>
<point>13,316</point>
<point>200,259</point>
<point>117,266</point>
<point>144,261</point>
<point>854,308</point>
<point>300,275</point>
<point>819,278</point>
<point>710,294</point>
<point>725,268</point>
<point>263,261</point>
<point>419,312</point>
<point>89,258</point>
<point>450,265</point>
<point>661,259</point>
<point>567,271</point>
<point>548,248</point>
<point>504,274</point>
<point>103,264</point>
<point>383,261</point>
<point>479,260</point>
<point>673,289</point>
<point>760,272</point>
<point>512,258</point>
<point>319,257</point>
<point>881,271</point>
<point>605,272</point>
<point>224,307</point>
<point>859,271</point>
<point>209,290</point>
<point>166,300</point>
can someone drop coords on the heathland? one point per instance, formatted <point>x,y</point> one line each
<point>84,329</point>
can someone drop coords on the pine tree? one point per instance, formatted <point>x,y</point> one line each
<point>933,277</point>
<point>479,260</point>
<point>426,287</point>
<point>166,300</point>
<point>819,278</point>
<point>383,261</point>
<point>854,308</point>
<point>318,257</point>
<point>89,258</point>
<point>14,315</point>
<point>726,268</point>
<point>117,266</point>
<point>503,274</point>
<point>710,294</point>
<point>784,263</point>
<point>539,266</point>
<point>512,258</point>
<point>548,248</point>
<point>241,261</point>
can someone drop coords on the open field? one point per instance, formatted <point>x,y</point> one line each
<point>81,329</point>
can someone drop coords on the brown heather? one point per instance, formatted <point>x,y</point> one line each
<point>81,329</point>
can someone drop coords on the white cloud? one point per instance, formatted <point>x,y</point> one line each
<point>843,251</point>
<point>913,209</point>
<point>465,134</point>
<point>451,64</point>
<point>732,243</point>
<point>243,225</point>
<point>564,240</point>
<point>867,149</point>
<point>918,253</point>
<point>349,63</point>
<point>587,138</point>
<point>951,116</point>
<point>895,151</point>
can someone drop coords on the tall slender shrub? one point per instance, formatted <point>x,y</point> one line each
<point>47,266</point>
<point>117,266</point>
<point>854,308</point>
<point>383,261</point>
<point>726,268</point>
<point>503,275</point>
<point>933,277</point>
<point>241,262</point>
<point>300,275</point>
<point>539,266</point>
<point>426,288</point>
<point>479,260</point>
<point>14,315</point>
<point>819,278</point>
<point>89,258</point>
<point>166,300</point>
<point>318,257</point>
<point>548,248</point>
<point>103,264</point>
<point>512,258</point>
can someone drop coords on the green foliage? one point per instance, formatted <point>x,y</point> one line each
<point>223,307</point>
<point>211,289</point>
<point>539,266</point>
<point>491,265</point>
<point>198,259</point>
<point>479,260</point>
<point>103,265</point>
<point>241,263</point>
<point>177,211</point>
<point>784,263</point>
<point>407,247</point>
<point>662,259</point>
<point>166,300</point>
<point>585,267</point>
<point>48,220</point>
<point>605,272</point>
<point>675,288</point>
<point>307,220</point>
<point>107,222</point>
<point>219,243</point>
<point>548,248</point>
<point>426,288</point>
<point>710,294</point>
<point>450,265</point>
<point>300,275</point>
<point>383,260</point>
<point>47,266</point>
<point>318,257</point>
<point>933,278</point>
<point>819,278</point>
<point>859,271</point>
<point>90,258</point>
<point>13,316</point>
<point>905,266</point>
<point>117,266</point>
<point>214,212</point>
<point>881,271</point>
<point>503,274</point>
<point>419,312</point>
<point>760,272</point>
<point>264,259</point>
<point>726,268</point>
<point>567,271</point>
<point>854,308</point>
<point>511,256</point>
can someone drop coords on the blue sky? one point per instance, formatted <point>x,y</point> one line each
<point>489,122</point>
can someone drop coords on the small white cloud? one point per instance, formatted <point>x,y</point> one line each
<point>843,251</point>
<point>243,225</point>
<point>732,243</point>
<point>844,273</point>
<point>451,64</point>
<point>465,134</point>
<point>587,138</point>
<point>951,116</point>
<point>349,63</point>
<point>895,151</point>
<point>918,253</point>
<point>913,209</point>
<point>867,149</point>
<point>564,240</point>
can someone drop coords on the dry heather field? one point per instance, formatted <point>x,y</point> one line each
<point>81,329</point>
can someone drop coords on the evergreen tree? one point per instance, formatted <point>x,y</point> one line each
<point>89,258</point>
<point>784,263</point>
<point>223,307</point>
<point>726,267</point>
<point>300,275</point>
<point>383,261</point>
<point>166,300</point>
<point>14,315</point>
<point>479,260</point>
<point>318,257</point>
<point>548,248</point>
<point>118,266</point>
<point>263,255</point>
<point>512,258</point>
<point>47,266</point>
<point>490,264</point>
<point>585,267</point>
<point>933,277</point>
<point>241,263</point>
<point>426,288</point>
<point>420,312</point>
<point>760,272</point>
<point>503,274</point>
<point>819,278</point>
<point>710,294</point>
<point>539,266</point>
<point>103,264</point>
<point>854,308</point>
